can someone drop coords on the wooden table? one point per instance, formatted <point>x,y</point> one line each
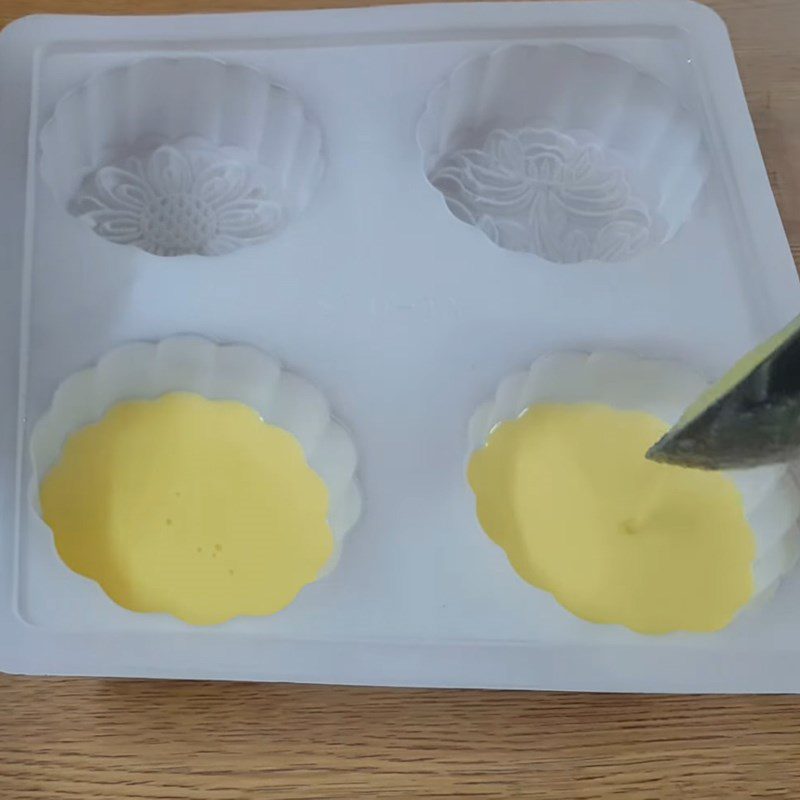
<point>108,740</point>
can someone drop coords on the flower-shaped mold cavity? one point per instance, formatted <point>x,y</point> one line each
<point>564,153</point>
<point>664,389</point>
<point>217,372</point>
<point>148,159</point>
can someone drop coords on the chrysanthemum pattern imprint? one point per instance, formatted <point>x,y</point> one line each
<point>182,198</point>
<point>542,192</point>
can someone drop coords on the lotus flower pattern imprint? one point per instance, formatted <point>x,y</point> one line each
<point>540,191</point>
<point>188,197</point>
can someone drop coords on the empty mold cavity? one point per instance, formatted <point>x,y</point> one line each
<point>182,156</point>
<point>570,155</point>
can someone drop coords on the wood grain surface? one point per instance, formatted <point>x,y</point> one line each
<point>109,740</point>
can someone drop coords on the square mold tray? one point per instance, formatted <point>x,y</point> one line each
<point>358,276</point>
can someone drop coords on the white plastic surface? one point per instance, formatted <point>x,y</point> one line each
<point>406,319</point>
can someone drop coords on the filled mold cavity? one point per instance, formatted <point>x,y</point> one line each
<point>194,479</point>
<point>188,156</point>
<point>561,483</point>
<point>567,154</point>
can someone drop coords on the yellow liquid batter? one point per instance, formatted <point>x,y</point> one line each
<point>189,506</point>
<point>566,491</point>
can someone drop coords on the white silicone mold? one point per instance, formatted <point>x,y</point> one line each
<point>218,372</point>
<point>663,388</point>
<point>561,152</point>
<point>440,314</point>
<point>147,160</point>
